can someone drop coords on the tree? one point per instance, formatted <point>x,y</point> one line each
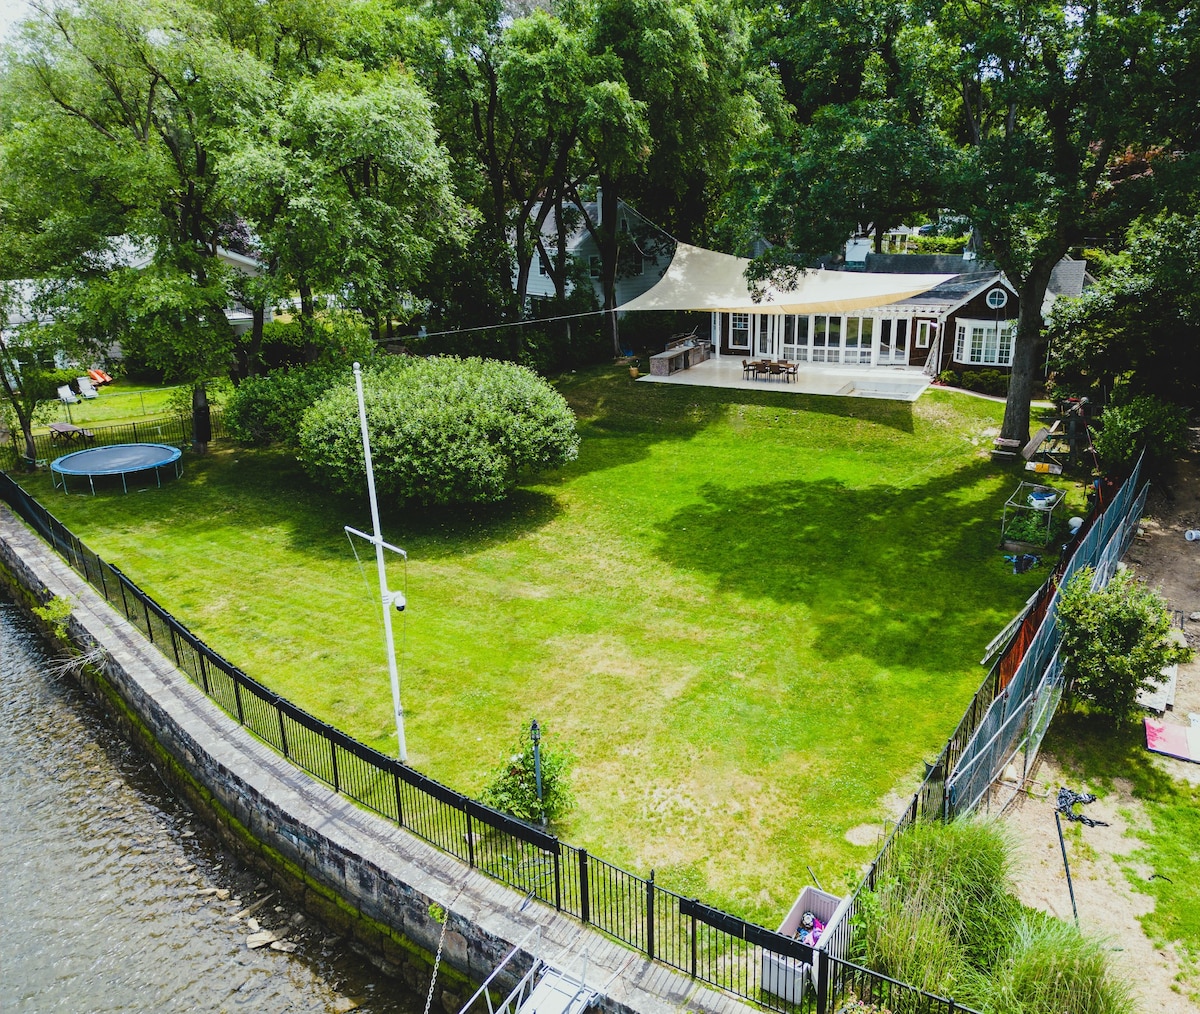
<point>1051,116</point>
<point>143,92</point>
<point>28,376</point>
<point>348,190</point>
<point>1114,641</point>
<point>1137,332</point>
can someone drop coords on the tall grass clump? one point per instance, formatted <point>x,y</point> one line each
<point>944,918</point>
<point>1052,967</point>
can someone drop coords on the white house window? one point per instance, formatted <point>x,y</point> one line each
<point>997,299</point>
<point>984,343</point>
<point>739,332</point>
<point>543,267</point>
<point>925,330</point>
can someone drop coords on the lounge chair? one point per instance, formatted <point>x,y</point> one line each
<point>99,377</point>
<point>86,390</point>
<point>66,395</point>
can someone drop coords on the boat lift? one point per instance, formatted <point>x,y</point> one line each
<point>544,989</point>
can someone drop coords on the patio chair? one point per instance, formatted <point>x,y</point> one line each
<point>66,395</point>
<point>86,389</point>
<point>778,369</point>
<point>761,369</point>
<point>747,369</point>
<point>793,372</point>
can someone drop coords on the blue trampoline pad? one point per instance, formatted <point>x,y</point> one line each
<point>117,459</point>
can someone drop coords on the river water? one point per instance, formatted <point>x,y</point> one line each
<point>115,897</point>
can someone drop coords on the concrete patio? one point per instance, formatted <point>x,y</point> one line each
<point>896,383</point>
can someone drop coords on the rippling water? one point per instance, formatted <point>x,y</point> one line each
<point>108,885</point>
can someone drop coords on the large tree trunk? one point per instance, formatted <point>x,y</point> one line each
<point>608,258</point>
<point>201,420</point>
<point>1027,353</point>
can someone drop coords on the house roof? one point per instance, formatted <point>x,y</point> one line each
<point>705,280</point>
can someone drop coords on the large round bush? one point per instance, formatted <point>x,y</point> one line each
<point>443,430</point>
<point>268,409</point>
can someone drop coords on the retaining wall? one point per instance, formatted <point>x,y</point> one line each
<point>384,888</point>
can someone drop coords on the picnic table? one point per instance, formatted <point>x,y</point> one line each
<point>66,432</point>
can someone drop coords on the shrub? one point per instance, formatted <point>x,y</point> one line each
<point>513,785</point>
<point>265,410</point>
<point>1026,527</point>
<point>443,431</point>
<point>1159,425</point>
<point>994,382</point>
<point>1051,967</point>
<point>945,909</point>
<point>1115,641</point>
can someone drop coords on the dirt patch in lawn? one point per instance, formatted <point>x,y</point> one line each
<point>1099,856</point>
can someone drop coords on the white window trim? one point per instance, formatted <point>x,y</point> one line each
<point>964,344</point>
<point>925,330</point>
<point>997,299</point>
<point>733,343</point>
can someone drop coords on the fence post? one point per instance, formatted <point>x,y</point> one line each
<point>470,839</point>
<point>650,917</point>
<point>175,647</point>
<point>585,901</point>
<point>237,698</point>
<point>399,804</point>
<point>558,879</point>
<point>693,945</point>
<point>333,756</point>
<point>204,673</point>
<point>282,731</point>
<point>149,629</point>
<point>822,982</point>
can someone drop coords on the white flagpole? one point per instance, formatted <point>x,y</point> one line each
<point>387,599</point>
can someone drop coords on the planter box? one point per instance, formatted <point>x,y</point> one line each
<point>1009,546</point>
<point>789,979</point>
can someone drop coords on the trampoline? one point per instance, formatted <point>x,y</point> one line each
<point>116,459</point>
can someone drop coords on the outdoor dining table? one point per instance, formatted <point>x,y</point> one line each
<point>771,368</point>
<point>68,432</point>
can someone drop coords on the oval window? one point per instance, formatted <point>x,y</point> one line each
<point>997,298</point>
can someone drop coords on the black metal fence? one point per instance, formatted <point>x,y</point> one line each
<point>169,429</point>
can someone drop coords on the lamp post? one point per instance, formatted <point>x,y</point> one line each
<point>535,735</point>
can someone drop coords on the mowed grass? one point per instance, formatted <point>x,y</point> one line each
<point>750,615</point>
<point>119,402</point>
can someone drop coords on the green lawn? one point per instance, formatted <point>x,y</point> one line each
<point>751,615</point>
<point>119,402</point>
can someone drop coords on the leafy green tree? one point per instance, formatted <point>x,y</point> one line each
<point>143,92</point>
<point>1055,123</point>
<point>443,431</point>
<point>1136,332</point>
<point>1143,422</point>
<point>28,376</point>
<point>348,190</point>
<point>1114,641</point>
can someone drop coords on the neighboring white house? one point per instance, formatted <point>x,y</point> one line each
<point>644,253</point>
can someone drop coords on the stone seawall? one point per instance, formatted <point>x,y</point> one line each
<point>386,889</point>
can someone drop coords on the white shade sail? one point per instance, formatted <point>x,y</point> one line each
<point>700,279</point>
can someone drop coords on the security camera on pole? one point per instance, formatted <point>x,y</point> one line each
<point>388,599</point>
